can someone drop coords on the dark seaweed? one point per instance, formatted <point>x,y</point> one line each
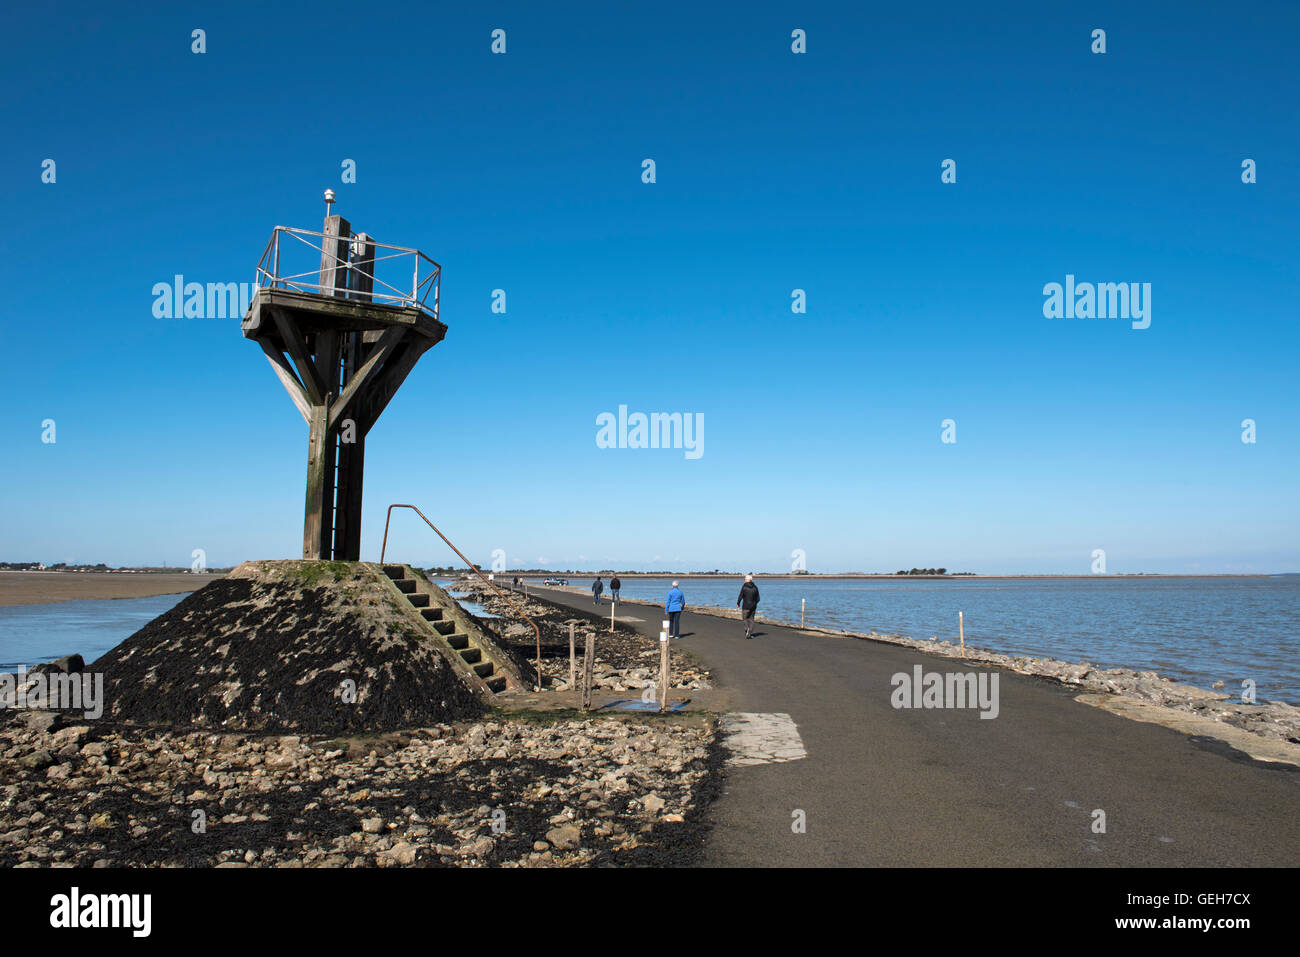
<point>283,668</point>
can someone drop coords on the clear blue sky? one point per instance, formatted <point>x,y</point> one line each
<point>775,171</point>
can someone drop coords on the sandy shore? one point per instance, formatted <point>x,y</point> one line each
<point>41,588</point>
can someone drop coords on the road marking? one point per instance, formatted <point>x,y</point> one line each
<point>756,738</point>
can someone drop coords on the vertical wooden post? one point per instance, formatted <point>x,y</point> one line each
<point>362,281</point>
<point>322,442</point>
<point>961,630</point>
<point>588,665</point>
<point>663,673</point>
<point>347,525</point>
<point>803,608</point>
<point>350,455</point>
<point>326,361</point>
<point>352,351</point>
<point>611,615</point>
<point>334,257</point>
<point>313,544</point>
<point>573,660</point>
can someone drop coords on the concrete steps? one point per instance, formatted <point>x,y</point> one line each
<point>476,652</point>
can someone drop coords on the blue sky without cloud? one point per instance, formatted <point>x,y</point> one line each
<point>775,171</point>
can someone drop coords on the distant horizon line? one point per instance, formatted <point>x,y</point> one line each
<point>892,575</point>
<point>605,571</point>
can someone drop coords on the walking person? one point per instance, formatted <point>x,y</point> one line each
<point>597,587</point>
<point>673,607</point>
<point>614,586</point>
<point>747,602</point>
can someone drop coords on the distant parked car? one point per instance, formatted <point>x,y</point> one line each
<point>555,581</point>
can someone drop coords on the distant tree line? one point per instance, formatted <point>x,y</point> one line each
<point>462,569</point>
<point>451,570</point>
<point>102,567</point>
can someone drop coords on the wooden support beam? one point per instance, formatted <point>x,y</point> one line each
<point>364,375</point>
<point>351,454</point>
<point>327,365</point>
<point>295,344</point>
<point>327,359</point>
<point>396,369</point>
<point>347,519</point>
<point>314,545</point>
<point>288,378</point>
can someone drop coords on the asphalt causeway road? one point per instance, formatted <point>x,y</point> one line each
<point>827,772</point>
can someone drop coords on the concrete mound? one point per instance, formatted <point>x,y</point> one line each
<point>279,646</point>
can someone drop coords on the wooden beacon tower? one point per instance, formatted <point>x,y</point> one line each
<point>343,320</point>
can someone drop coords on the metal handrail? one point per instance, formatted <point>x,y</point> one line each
<point>268,268</point>
<point>383,550</point>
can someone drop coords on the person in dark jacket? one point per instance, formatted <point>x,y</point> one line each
<point>747,602</point>
<point>597,587</point>
<point>614,586</point>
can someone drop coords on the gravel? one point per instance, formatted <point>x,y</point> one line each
<point>514,793</point>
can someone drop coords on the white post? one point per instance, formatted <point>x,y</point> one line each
<point>663,673</point>
<point>803,607</point>
<point>611,615</point>
<point>961,630</point>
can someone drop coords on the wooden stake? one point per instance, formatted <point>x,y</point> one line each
<point>803,607</point>
<point>573,661</point>
<point>588,663</point>
<point>961,630</point>
<point>611,616</point>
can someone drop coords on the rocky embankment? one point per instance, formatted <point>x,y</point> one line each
<point>495,793</point>
<point>294,714</point>
<point>624,660</point>
<point>301,647</point>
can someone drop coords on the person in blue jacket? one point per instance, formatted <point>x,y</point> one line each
<point>597,587</point>
<point>673,606</point>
